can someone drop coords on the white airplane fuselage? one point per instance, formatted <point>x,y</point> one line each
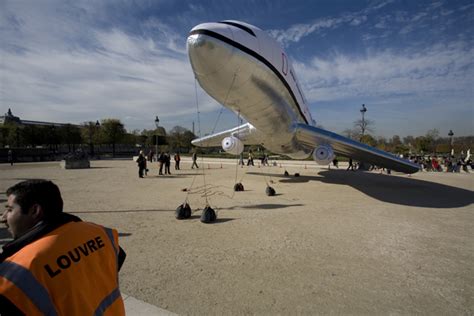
<point>246,70</point>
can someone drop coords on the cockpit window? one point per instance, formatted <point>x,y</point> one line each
<point>240,26</point>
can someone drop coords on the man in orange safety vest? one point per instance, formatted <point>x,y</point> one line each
<point>56,263</point>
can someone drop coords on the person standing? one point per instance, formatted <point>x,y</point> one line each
<point>56,263</point>
<point>10,157</point>
<point>150,156</point>
<point>161,160</point>
<point>241,159</point>
<point>194,161</point>
<point>250,160</point>
<point>141,161</point>
<point>177,159</point>
<point>167,163</point>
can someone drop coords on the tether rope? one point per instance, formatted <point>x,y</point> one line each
<point>206,194</point>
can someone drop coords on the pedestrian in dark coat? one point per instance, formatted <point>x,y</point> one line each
<point>177,159</point>
<point>167,163</point>
<point>141,161</point>
<point>161,160</point>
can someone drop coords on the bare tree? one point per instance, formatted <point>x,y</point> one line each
<point>361,127</point>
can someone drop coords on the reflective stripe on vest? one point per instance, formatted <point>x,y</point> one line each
<point>107,301</point>
<point>25,281</point>
<point>115,294</point>
<point>110,234</point>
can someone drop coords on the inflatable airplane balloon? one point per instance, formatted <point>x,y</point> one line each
<point>247,71</point>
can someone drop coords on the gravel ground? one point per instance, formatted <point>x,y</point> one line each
<point>329,242</point>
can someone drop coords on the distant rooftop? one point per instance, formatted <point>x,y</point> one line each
<point>10,118</point>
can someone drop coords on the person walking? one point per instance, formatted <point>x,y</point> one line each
<point>141,161</point>
<point>194,161</point>
<point>351,165</point>
<point>177,159</point>
<point>56,264</point>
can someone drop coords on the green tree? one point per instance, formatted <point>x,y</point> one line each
<point>112,132</point>
<point>178,138</point>
<point>131,139</point>
<point>70,135</point>
<point>147,137</point>
<point>369,140</point>
<point>31,135</point>
<point>52,137</point>
<point>409,140</point>
<point>382,143</point>
<point>90,133</point>
<point>5,138</point>
<point>395,141</point>
<point>423,144</point>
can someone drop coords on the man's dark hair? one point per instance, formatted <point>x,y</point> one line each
<point>38,191</point>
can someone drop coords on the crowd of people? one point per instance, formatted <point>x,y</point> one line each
<point>428,163</point>
<point>447,164</point>
<point>163,159</point>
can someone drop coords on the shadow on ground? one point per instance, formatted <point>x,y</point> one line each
<point>391,189</point>
<point>119,211</point>
<point>262,206</point>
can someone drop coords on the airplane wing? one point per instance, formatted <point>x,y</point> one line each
<point>311,136</point>
<point>246,133</point>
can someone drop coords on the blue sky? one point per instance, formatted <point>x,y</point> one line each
<point>410,62</point>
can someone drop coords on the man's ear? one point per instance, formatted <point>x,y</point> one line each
<point>37,212</point>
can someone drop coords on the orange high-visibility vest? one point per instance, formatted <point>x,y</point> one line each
<point>72,270</point>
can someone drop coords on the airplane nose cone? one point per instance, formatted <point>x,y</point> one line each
<point>207,55</point>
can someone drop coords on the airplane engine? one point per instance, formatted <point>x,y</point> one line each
<point>232,145</point>
<point>323,155</point>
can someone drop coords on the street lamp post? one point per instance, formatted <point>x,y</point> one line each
<point>157,123</point>
<point>363,110</point>
<point>451,134</point>
<point>90,127</point>
<point>97,125</point>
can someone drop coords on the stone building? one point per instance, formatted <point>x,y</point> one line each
<point>10,118</point>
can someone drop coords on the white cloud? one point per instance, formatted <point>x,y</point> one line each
<point>297,32</point>
<point>70,72</point>
<point>384,74</point>
<point>433,86</point>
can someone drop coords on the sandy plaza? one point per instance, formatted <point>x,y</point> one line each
<point>329,242</point>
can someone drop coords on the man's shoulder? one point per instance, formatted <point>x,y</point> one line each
<point>38,232</point>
